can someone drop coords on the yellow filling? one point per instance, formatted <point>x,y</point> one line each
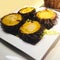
<point>26,10</point>
<point>30,27</point>
<point>12,19</point>
<point>46,14</point>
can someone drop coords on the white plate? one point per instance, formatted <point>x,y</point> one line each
<point>36,51</point>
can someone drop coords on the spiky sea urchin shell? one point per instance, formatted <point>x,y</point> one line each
<point>46,17</point>
<point>11,23</point>
<point>27,12</point>
<point>31,38</point>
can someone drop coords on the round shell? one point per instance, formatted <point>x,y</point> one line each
<point>31,31</point>
<point>11,22</point>
<point>46,17</point>
<point>27,12</point>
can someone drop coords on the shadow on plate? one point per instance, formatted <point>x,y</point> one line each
<point>16,50</point>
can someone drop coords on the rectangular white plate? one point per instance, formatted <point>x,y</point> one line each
<point>36,51</point>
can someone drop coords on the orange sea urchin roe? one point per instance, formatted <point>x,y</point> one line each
<point>30,27</point>
<point>26,10</point>
<point>11,19</point>
<point>46,14</point>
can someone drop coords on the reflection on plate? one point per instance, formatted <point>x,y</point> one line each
<point>36,51</point>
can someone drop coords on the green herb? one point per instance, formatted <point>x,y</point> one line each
<point>50,32</point>
<point>27,20</point>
